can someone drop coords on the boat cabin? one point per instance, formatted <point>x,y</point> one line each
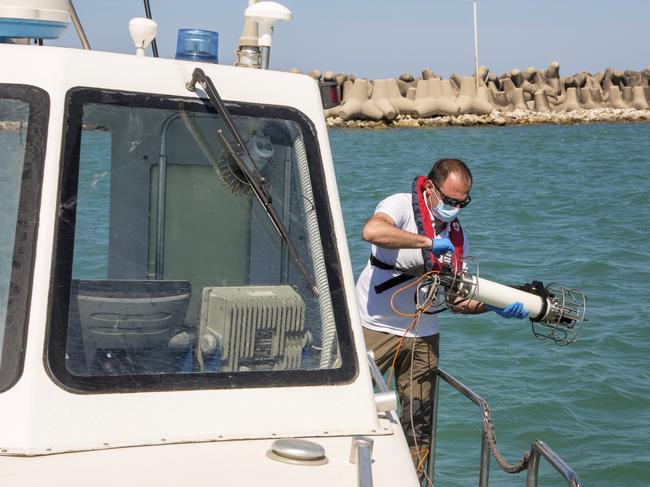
<point>158,310</point>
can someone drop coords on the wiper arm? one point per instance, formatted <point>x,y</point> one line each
<point>242,157</point>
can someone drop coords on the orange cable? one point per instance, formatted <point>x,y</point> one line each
<point>422,457</point>
<point>415,316</point>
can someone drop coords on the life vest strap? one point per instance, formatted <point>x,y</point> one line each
<point>393,281</point>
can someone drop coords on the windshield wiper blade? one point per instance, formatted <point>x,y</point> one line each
<point>242,157</point>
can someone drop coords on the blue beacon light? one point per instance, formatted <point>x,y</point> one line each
<point>31,29</point>
<point>197,45</point>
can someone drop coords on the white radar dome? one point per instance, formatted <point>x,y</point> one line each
<point>266,14</point>
<point>142,31</point>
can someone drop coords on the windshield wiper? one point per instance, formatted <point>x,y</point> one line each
<point>242,157</point>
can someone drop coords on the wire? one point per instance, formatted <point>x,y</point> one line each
<point>428,285</point>
<point>416,316</point>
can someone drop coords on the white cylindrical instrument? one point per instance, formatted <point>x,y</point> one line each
<point>555,312</point>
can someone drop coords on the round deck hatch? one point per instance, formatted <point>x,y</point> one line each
<point>298,452</point>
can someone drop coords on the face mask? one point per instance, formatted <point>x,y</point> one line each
<point>444,212</point>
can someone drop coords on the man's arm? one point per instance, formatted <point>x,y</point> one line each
<point>380,230</point>
<point>471,307</point>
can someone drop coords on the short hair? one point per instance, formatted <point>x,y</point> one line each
<point>443,167</point>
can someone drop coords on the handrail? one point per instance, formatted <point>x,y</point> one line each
<point>484,471</point>
<point>361,455</point>
<point>538,449</point>
<point>77,25</point>
<point>378,378</point>
<point>376,374</point>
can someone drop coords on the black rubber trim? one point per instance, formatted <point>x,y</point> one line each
<point>20,288</point>
<point>54,353</point>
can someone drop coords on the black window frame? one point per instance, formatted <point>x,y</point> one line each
<point>22,269</point>
<point>57,324</point>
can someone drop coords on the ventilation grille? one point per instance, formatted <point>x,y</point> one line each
<point>257,327</point>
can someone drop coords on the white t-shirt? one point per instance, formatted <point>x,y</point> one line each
<point>375,309</point>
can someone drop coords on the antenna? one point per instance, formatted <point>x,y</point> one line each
<point>147,12</point>
<point>266,14</point>
<point>475,45</point>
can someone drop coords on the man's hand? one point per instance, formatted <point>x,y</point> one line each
<point>441,246</point>
<point>514,310</point>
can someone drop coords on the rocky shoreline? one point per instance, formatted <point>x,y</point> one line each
<point>516,117</point>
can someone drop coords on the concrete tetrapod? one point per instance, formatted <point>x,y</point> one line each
<point>466,94</point>
<point>553,70</point>
<point>428,74</point>
<point>553,78</point>
<point>446,96</point>
<point>501,101</point>
<point>316,74</point>
<point>455,80</point>
<point>482,104</point>
<point>615,99</point>
<point>529,90</point>
<point>430,99</point>
<point>472,101</point>
<point>492,78</point>
<point>405,81</point>
<point>358,105</point>
<point>626,93</point>
<point>586,100</point>
<point>410,93</point>
<point>507,85</point>
<point>346,89</point>
<point>423,106</point>
<point>571,102</point>
<point>517,99</point>
<point>490,97</point>
<point>516,77</point>
<point>402,104</point>
<point>597,96</point>
<point>380,98</point>
<point>639,100</point>
<point>541,101</point>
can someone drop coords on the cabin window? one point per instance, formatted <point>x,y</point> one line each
<point>23,130</point>
<point>170,272</point>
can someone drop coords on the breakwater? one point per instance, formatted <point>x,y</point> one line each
<point>516,97</point>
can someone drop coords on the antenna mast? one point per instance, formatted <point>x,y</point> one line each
<point>475,45</point>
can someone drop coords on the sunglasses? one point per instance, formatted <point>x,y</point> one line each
<point>452,201</point>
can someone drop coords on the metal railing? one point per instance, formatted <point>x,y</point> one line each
<point>541,449</point>
<point>361,455</point>
<point>538,449</point>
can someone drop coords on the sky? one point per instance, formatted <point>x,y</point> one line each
<point>381,38</point>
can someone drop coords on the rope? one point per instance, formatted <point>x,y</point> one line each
<point>432,280</point>
<point>490,436</point>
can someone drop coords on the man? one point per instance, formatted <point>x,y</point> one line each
<point>408,233</point>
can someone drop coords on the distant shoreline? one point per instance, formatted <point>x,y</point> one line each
<point>532,96</point>
<point>516,117</point>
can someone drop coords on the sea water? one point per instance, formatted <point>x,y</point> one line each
<point>566,204</point>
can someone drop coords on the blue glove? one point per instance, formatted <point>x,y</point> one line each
<point>441,246</point>
<point>514,310</point>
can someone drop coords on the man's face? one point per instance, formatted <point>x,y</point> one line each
<point>454,189</point>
